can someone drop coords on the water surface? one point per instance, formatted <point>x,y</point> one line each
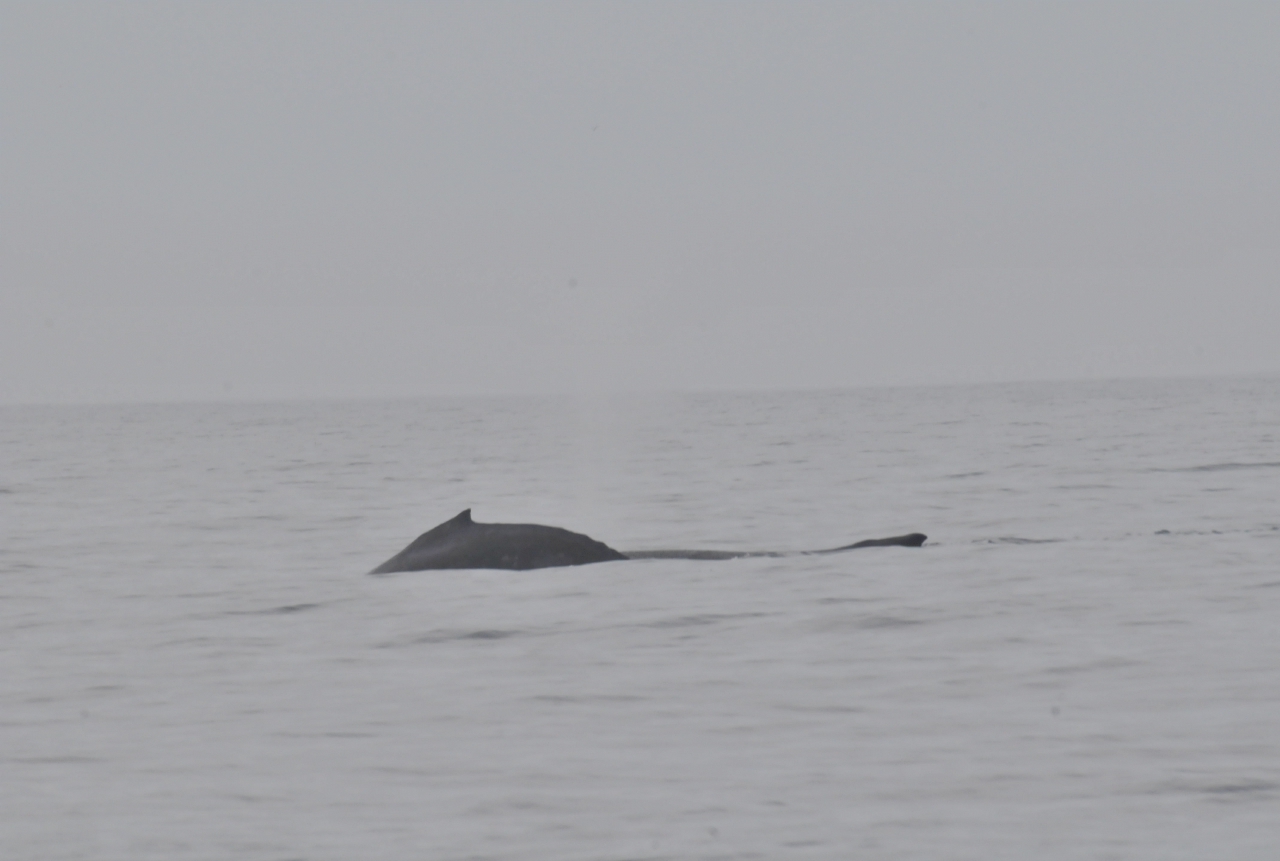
<point>1081,664</point>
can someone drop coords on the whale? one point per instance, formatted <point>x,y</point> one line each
<point>463,543</point>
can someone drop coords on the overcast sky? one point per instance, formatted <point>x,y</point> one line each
<point>274,200</point>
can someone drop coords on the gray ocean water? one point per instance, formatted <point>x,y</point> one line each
<point>1083,662</point>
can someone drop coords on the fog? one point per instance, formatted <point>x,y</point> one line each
<point>236,200</point>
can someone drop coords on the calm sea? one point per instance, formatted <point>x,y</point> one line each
<point>1082,663</point>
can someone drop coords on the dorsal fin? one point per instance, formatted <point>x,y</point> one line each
<point>463,518</point>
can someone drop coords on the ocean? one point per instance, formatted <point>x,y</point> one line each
<point>1083,661</point>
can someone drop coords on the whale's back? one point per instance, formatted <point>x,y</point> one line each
<point>463,543</point>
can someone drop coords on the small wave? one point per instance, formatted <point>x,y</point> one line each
<point>1247,530</point>
<point>489,635</point>
<point>70,759</point>
<point>1222,467</point>
<point>288,608</point>
<point>1014,540</point>
<point>1244,789</point>
<point>873,622</point>
<point>596,698</point>
<point>1243,786</point>
<point>454,636</point>
<point>1101,664</point>
<point>703,619</point>
<point>274,611</point>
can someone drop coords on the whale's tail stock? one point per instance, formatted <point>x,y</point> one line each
<point>914,539</point>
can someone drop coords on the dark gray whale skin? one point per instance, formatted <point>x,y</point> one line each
<point>463,543</point>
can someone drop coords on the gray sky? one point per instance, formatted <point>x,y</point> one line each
<point>255,200</point>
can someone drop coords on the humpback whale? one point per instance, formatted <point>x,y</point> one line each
<point>463,543</point>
